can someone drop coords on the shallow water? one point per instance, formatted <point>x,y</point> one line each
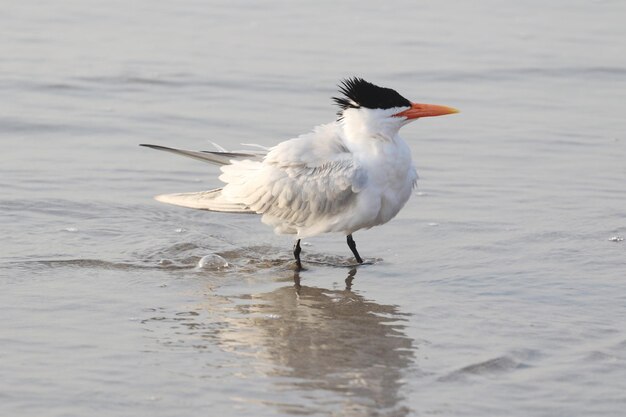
<point>498,290</point>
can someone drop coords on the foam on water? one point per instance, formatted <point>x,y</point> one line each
<point>212,261</point>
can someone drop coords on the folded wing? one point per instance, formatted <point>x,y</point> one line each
<point>305,185</point>
<point>298,184</point>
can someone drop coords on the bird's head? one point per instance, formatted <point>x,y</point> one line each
<point>369,110</point>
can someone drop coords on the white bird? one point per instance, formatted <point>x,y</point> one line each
<point>344,176</point>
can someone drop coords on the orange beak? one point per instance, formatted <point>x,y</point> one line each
<point>425,110</point>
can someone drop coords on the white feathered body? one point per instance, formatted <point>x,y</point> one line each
<point>323,181</point>
<point>341,177</point>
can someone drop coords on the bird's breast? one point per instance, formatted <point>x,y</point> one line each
<point>391,176</point>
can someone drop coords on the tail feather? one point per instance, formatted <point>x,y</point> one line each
<point>211,200</point>
<point>217,158</point>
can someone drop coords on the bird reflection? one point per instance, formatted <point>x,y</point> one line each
<point>342,352</point>
<point>298,287</point>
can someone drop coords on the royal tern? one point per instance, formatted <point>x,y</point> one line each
<point>344,176</point>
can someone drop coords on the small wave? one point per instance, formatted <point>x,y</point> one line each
<point>185,80</point>
<point>507,74</point>
<point>129,80</point>
<point>89,263</point>
<point>163,264</point>
<point>265,256</point>
<point>25,124</point>
<point>497,365</point>
<point>194,257</point>
<point>599,356</point>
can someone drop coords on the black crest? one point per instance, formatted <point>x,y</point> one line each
<point>360,93</point>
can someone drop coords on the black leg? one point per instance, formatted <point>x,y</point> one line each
<point>352,247</point>
<point>296,253</point>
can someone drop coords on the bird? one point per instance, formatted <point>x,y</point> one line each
<point>344,176</point>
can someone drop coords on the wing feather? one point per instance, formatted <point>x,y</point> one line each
<point>305,185</point>
<point>292,196</point>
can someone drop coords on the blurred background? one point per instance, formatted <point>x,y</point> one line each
<point>498,290</point>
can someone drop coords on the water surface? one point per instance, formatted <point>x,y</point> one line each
<point>498,290</point>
